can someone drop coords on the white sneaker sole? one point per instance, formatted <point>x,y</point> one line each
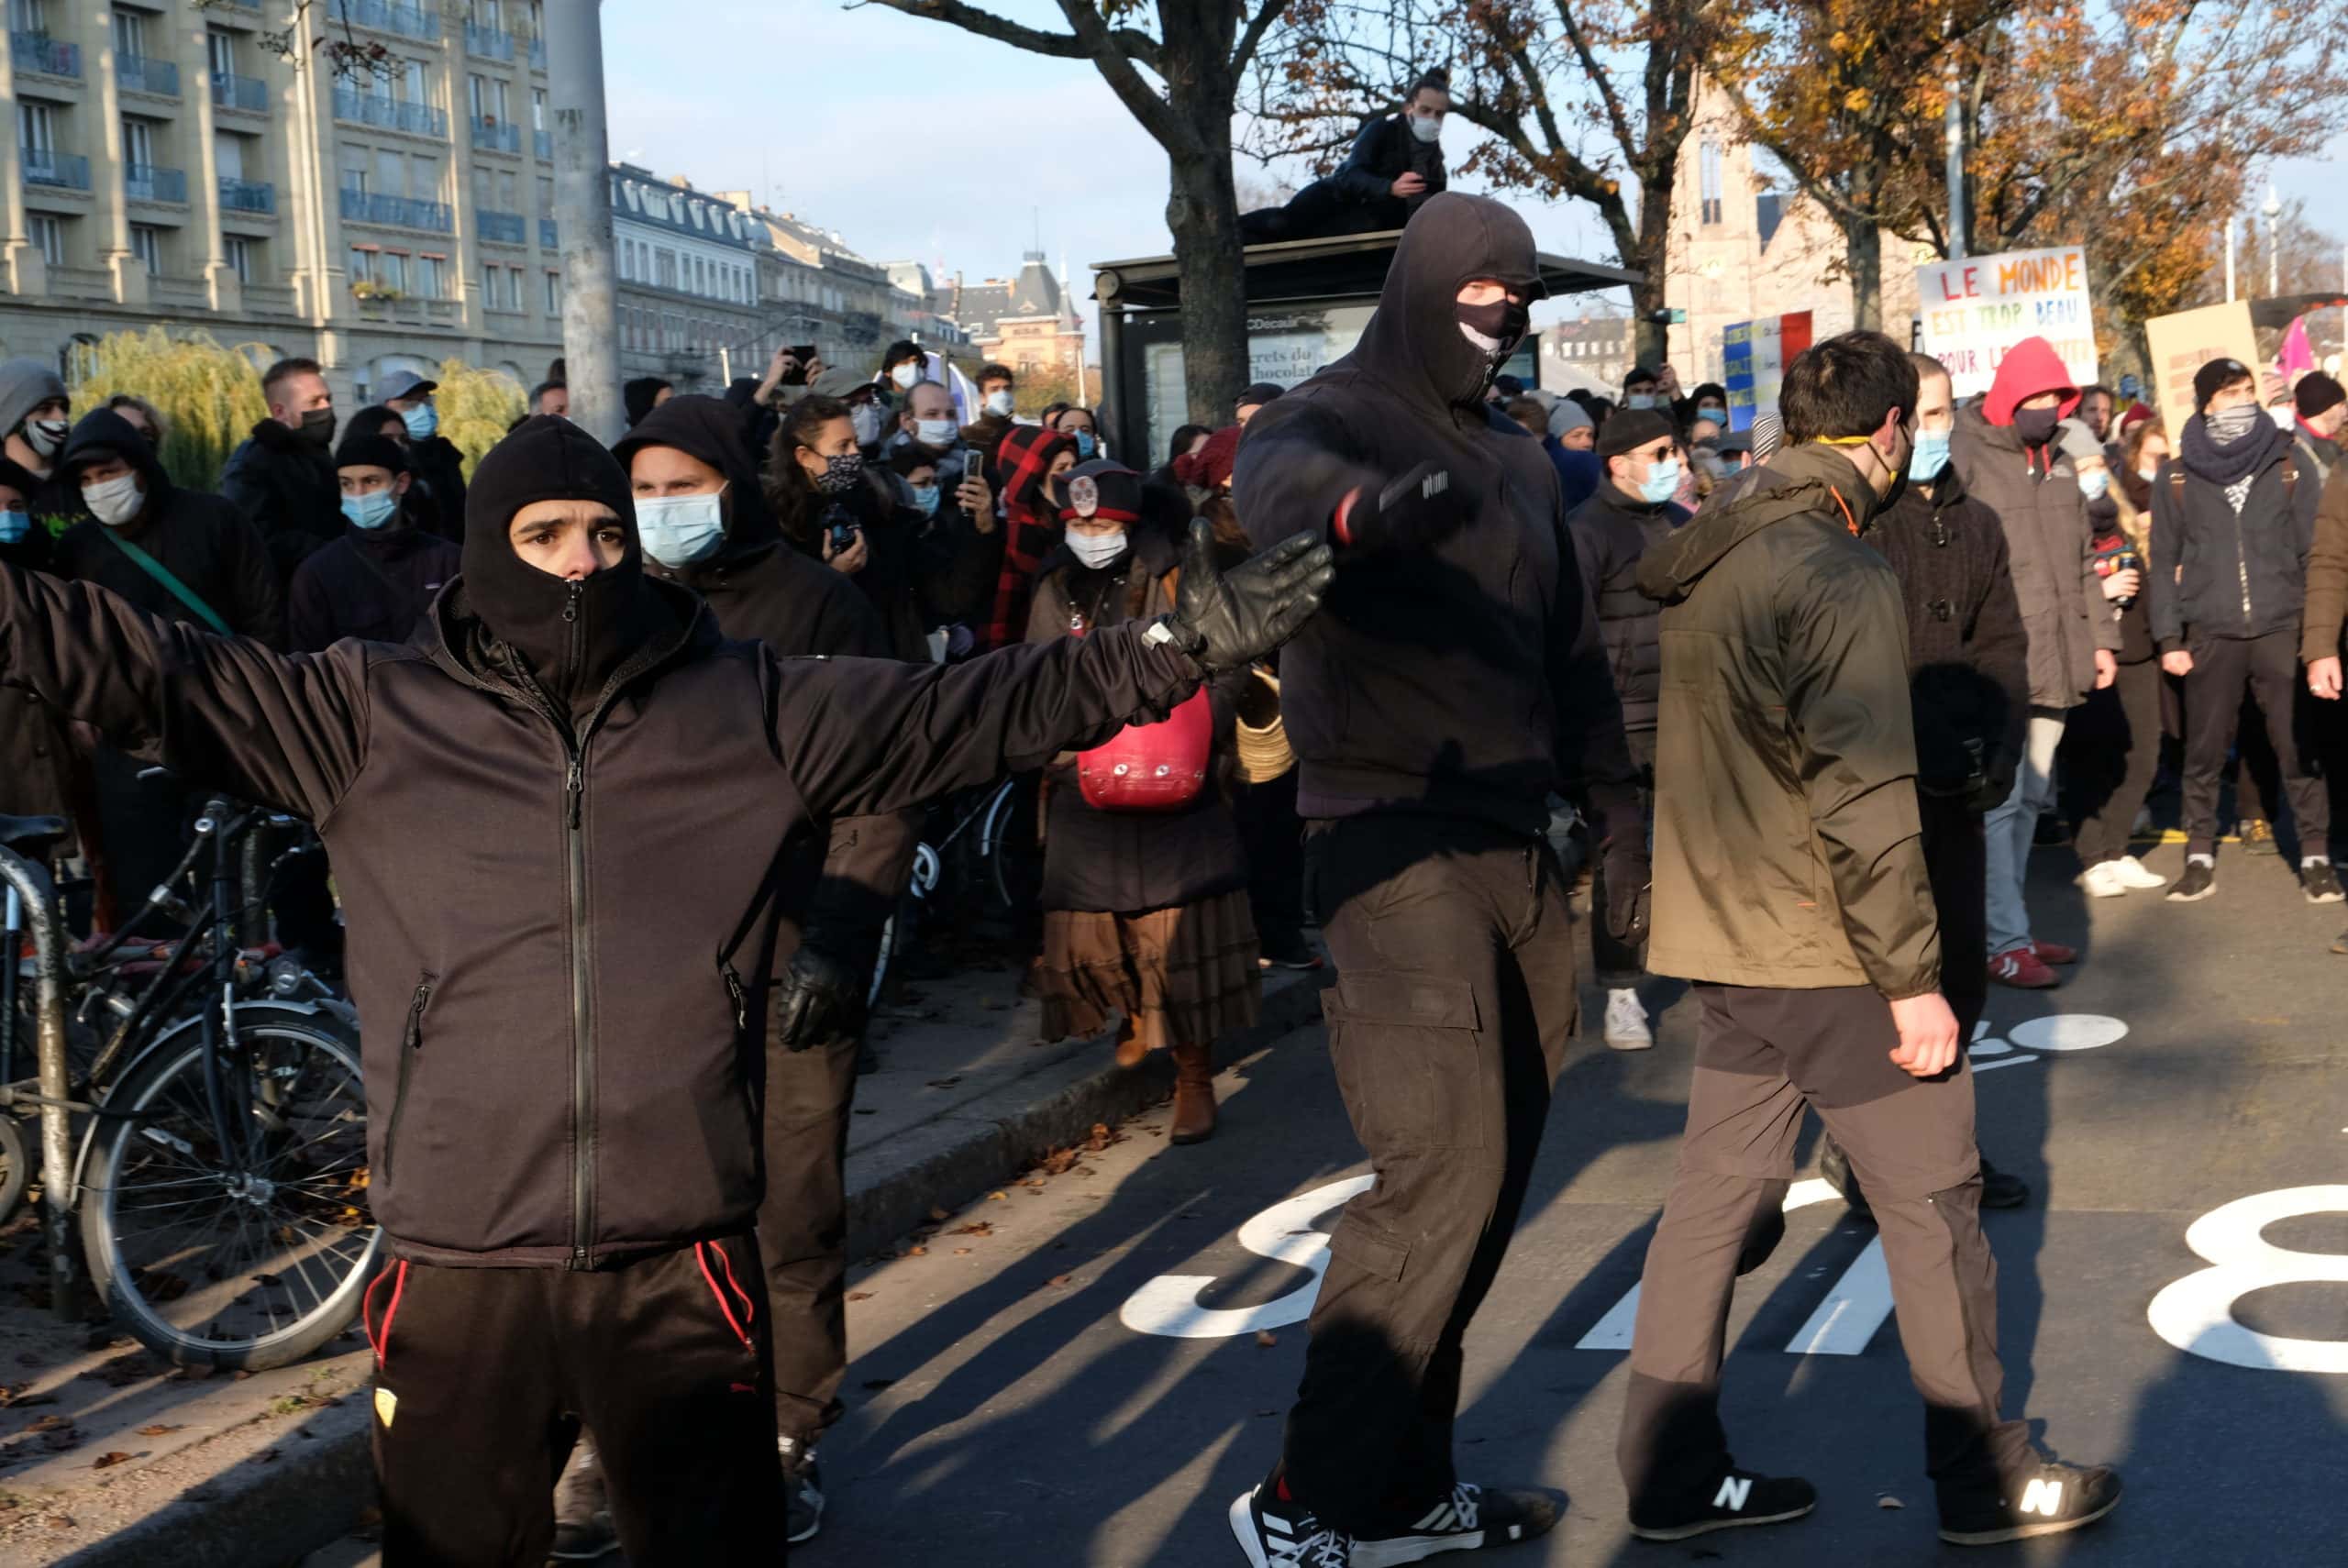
<point>1689,1532</point>
<point>2024,1532</point>
<point>1630,1042</point>
<point>2096,889</point>
<point>1392,1552</point>
<point>1243,1530</point>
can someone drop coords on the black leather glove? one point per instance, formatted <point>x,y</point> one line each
<point>821,998</point>
<point>1229,620</point>
<point>1417,509</point>
<point>1629,888</point>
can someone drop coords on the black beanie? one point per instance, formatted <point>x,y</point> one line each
<point>2317,394</point>
<point>2213,378</point>
<point>359,449</point>
<point>1103,490</point>
<point>574,637</point>
<point>1630,429</point>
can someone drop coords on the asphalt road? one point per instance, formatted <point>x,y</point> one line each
<point>1006,1411</point>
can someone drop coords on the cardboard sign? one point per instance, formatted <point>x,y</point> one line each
<point>2183,343</point>
<point>1975,309</point>
<point>1754,356</point>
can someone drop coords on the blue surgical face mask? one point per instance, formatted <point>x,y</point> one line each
<point>1662,482</point>
<point>1083,444</point>
<point>373,510</point>
<point>15,524</point>
<point>925,497</point>
<point>1930,457</point>
<point>678,530</point>
<point>2093,483</point>
<point>421,421</point>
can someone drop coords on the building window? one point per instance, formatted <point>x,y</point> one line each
<point>1708,163</point>
<point>513,288</point>
<point>47,237</point>
<point>432,277</point>
<point>554,293</point>
<point>36,128</point>
<point>220,52</point>
<point>392,269</point>
<point>362,263</point>
<point>137,143</point>
<point>538,108</point>
<point>417,82</point>
<point>354,168</point>
<point>666,264</point>
<point>147,244</point>
<point>129,35</point>
<point>28,16</point>
<point>488,285</point>
<point>239,252</point>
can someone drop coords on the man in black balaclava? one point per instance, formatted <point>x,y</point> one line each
<point>1457,682</point>
<point>558,820</point>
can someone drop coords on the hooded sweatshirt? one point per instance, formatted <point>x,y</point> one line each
<point>1030,528</point>
<point>201,539</point>
<point>2034,492</point>
<point>1465,677</point>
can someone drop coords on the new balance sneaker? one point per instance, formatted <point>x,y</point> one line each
<point>2320,883</point>
<point>1276,1533</point>
<point>1626,1021</point>
<point>1471,1516</point>
<point>582,1515</point>
<point>2019,967</point>
<point>2049,1500</point>
<point>1741,1499</point>
<point>2053,952</point>
<point>803,1490</point>
<point>2200,880</point>
<point>2135,874</point>
<point>2104,880</point>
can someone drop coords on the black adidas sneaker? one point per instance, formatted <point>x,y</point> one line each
<point>2048,1500</point>
<point>1471,1516</point>
<point>1276,1533</point>
<point>1741,1497</point>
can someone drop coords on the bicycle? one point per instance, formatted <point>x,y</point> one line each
<point>989,861</point>
<point>221,1169</point>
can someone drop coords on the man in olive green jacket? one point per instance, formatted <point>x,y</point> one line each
<point>1790,887</point>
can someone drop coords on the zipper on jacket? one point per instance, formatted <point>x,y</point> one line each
<point>583,1049</point>
<point>411,1042</point>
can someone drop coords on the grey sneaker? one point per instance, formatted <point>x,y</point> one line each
<point>803,1490</point>
<point>583,1515</point>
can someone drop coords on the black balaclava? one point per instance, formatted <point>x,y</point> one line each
<point>1415,342</point>
<point>571,637</point>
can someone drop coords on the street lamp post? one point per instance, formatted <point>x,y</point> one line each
<point>2230,260</point>
<point>2273,208</point>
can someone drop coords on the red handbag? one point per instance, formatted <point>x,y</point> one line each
<point>1151,767</point>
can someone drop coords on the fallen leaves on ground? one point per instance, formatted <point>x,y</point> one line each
<point>860,1296</point>
<point>939,1214</point>
<point>160,1429</point>
<point>109,1460</point>
<point>1266,1339</point>
<point>975,1228</point>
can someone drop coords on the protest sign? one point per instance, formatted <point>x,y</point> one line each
<point>1975,309</point>
<point>1754,356</point>
<point>2183,343</point>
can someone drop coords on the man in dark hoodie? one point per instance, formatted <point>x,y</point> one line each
<point>642,396</point>
<point>704,520</point>
<point>1394,165</point>
<point>282,477</point>
<point>2006,456</point>
<point>376,581</point>
<point>1455,682</point>
<point>547,816</point>
<point>1791,887</point>
<point>2235,510</point>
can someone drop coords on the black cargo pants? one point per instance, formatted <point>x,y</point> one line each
<point>1455,999</point>
<point>1762,1056</point>
<point>2267,669</point>
<point>483,1376</point>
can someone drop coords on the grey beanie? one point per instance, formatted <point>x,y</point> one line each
<point>1569,415</point>
<point>25,385</point>
<point>2074,440</point>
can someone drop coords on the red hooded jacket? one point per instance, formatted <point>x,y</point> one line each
<point>1031,525</point>
<point>2030,367</point>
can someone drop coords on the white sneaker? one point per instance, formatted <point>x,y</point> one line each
<point>2104,879</point>
<point>1626,1022</point>
<point>2134,874</point>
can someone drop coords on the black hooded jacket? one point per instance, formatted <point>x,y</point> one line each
<point>537,891</point>
<point>201,539</point>
<point>1610,531</point>
<point>1465,677</point>
<point>372,584</point>
<point>287,488</point>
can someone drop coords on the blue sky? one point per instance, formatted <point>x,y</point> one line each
<point>918,141</point>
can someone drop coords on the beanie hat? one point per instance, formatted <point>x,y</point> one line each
<point>1256,394</point>
<point>2214,377</point>
<point>2317,394</point>
<point>2135,417</point>
<point>1569,415</point>
<point>2075,441</point>
<point>1630,429</point>
<point>1210,465</point>
<point>1100,491</point>
<point>364,449</point>
<point>639,396</point>
<point>25,385</point>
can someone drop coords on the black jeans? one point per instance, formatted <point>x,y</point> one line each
<point>2119,751</point>
<point>803,1229</point>
<point>1620,963</point>
<point>1456,996</point>
<point>2268,668</point>
<point>483,1376</point>
<point>1273,836</point>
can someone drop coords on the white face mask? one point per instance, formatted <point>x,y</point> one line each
<point>999,403</point>
<point>1641,400</point>
<point>1096,550</point>
<point>46,435</point>
<point>678,530</point>
<point>1426,127</point>
<point>114,502</point>
<point>905,375</point>
<point>937,433</point>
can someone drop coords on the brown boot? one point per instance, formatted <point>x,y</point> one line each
<point>1193,1095</point>
<point>1130,1052</point>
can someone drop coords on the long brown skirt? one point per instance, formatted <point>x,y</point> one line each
<point>1181,976</point>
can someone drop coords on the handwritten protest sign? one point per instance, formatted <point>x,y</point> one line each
<point>1975,309</point>
<point>1753,356</point>
<point>2183,343</point>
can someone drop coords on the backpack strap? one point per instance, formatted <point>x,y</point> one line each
<point>173,585</point>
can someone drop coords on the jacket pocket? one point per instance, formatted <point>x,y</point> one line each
<point>1405,1047</point>
<point>411,1047</point>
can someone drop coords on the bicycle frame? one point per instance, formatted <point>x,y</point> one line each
<point>30,888</point>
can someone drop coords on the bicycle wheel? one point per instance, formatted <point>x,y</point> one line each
<point>247,1258</point>
<point>1014,858</point>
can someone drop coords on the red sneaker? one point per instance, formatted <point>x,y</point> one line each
<point>2019,967</point>
<point>2053,952</point>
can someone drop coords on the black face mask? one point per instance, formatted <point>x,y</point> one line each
<point>317,427</point>
<point>2036,426</point>
<point>1503,319</point>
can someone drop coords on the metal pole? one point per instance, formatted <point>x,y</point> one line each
<point>583,204</point>
<point>1957,208</point>
<point>2273,210</point>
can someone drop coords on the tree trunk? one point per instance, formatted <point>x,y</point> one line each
<point>1864,243</point>
<point>1203,211</point>
<point>1650,253</point>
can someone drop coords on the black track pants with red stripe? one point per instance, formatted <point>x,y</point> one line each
<point>484,1374</point>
